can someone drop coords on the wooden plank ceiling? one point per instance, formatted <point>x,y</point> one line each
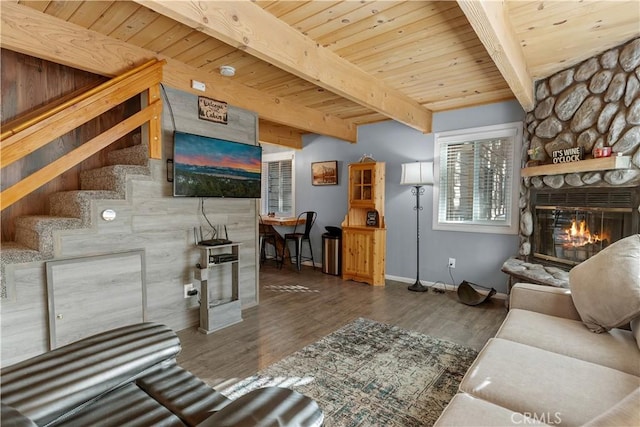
<point>328,66</point>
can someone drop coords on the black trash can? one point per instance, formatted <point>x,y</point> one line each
<point>332,251</point>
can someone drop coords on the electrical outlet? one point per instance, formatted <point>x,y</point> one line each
<point>452,263</point>
<point>187,288</point>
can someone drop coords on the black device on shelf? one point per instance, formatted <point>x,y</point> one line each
<point>211,242</point>
<point>215,242</point>
<point>220,258</point>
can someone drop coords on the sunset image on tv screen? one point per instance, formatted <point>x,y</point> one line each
<point>212,167</point>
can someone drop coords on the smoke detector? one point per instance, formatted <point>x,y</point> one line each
<point>227,71</point>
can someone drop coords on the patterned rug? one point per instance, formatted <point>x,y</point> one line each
<point>371,374</point>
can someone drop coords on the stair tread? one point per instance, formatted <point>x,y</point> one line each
<point>17,253</point>
<point>93,194</point>
<point>77,203</point>
<point>134,155</point>
<point>39,222</point>
<point>114,177</point>
<point>135,169</point>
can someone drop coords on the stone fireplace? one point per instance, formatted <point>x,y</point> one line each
<point>570,211</point>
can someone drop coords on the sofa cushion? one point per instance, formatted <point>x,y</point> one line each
<point>182,393</point>
<point>616,349</point>
<point>268,406</point>
<point>47,386</point>
<point>465,410</point>
<point>126,406</point>
<point>543,299</point>
<point>606,287</point>
<point>11,417</point>
<point>624,413</point>
<point>530,380</point>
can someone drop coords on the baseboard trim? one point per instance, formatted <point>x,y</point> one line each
<point>440,285</point>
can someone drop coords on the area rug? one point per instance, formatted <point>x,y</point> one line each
<point>370,374</point>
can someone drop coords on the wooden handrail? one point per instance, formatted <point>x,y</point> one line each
<point>69,160</point>
<point>39,129</point>
<point>32,121</point>
<point>42,131</point>
<point>20,120</point>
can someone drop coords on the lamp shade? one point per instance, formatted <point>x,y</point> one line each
<point>417,173</point>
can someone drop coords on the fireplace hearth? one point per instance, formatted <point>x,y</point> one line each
<point>571,226</point>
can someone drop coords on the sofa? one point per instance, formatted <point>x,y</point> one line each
<point>129,376</point>
<point>562,356</point>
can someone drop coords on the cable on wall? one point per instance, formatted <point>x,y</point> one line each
<point>206,218</point>
<point>166,99</point>
<point>170,170</point>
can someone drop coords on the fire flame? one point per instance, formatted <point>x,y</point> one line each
<point>579,235</point>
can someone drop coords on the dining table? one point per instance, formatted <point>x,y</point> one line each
<point>270,223</point>
<point>290,221</point>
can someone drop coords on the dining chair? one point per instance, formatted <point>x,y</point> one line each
<point>267,236</point>
<point>299,237</point>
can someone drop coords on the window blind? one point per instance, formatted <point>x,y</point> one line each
<point>475,181</point>
<point>279,186</point>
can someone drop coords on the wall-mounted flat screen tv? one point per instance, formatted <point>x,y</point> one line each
<point>212,167</point>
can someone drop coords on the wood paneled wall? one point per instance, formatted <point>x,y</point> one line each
<point>161,225</point>
<point>29,83</point>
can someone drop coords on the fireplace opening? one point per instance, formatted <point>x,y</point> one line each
<point>570,227</point>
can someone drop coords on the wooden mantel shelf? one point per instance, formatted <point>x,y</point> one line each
<point>600,164</point>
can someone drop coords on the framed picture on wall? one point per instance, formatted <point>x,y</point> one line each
<point>324,173</point>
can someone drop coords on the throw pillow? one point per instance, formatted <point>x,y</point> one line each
<point>606,287</point>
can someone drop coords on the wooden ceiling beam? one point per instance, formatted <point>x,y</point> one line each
<point>250,28</point>
<point>490,21</point>
<point>28,31</point>
<point>281,135</point>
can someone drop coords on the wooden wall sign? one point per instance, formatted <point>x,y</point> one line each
<point>568,155</point>
<point>212,110</point>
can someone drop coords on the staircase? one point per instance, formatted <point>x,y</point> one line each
<point>34,234</point>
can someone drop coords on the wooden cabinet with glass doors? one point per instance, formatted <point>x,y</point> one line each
<point>361,185</point>
<point>363,229</point>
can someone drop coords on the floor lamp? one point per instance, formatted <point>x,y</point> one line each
<point>417,174</point>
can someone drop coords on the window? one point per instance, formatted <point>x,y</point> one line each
<point>477,179</point>
<point>278,183</point>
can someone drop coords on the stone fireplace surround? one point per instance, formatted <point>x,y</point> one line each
<point>593,104</point>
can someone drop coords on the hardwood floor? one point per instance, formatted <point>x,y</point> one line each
<point>297,309</point>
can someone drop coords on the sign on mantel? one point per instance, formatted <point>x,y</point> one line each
<point>568,155</point>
